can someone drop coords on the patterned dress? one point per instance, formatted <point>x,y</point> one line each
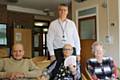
<point>104,70</point>
<point>57,71</point>
<point>64,73</point>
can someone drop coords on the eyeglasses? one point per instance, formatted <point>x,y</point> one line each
<point>66,49</point>
<point>17,50</point>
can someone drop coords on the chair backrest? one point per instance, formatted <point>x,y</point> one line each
<point>83,77</point>
<point>42,61</point>
<point>118,73</point>
<point>39,59</point>
<point>88,76</point>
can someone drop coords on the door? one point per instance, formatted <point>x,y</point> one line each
<point>87,32</point>
<point>39,38</point>
<point>24,36</point>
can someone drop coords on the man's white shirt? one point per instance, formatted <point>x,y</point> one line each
<point>56,31</point>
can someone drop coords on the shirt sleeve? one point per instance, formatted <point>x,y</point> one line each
<point>78,74</point>
<point>51,66</point>
<point>2,74</point>
<point>34,71</point>
<point>114,68</point>
<point>90,68</point>
<point>49,69</point>
<point>1,65</point>
<point>115,73</point>
<point>50,39</point>
<point>76,40</point>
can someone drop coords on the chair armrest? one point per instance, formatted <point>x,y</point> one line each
<point>89,77</point>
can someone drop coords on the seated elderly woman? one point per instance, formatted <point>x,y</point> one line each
<point>67,68</point>
<point>17,68</point>
<point>100,67</point>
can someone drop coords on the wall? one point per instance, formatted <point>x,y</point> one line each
<point>19,17</point>
<point>103,27</point>
<point>16,20</point>
<point>21,23</point>
<point>3,13</point>
<point>119,26</point>
<point>3,52</point>
<point>3,19</point>
<point>24,36</point>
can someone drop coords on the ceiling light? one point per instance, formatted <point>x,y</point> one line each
<point>45,29</point>
<point>38,24</point>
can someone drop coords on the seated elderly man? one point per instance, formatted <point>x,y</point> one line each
<point>67,68</point>
<point>100,67</point>
<point>17,68</point>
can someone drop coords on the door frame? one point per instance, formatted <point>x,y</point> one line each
<point>86,44</point>
<point>97,25</point>
<point>41,46</point>
<point>89,15</point>
<point>87,18</point>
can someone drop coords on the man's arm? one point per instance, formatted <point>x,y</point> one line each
<point>50,39</point>
<point>47,73</point>
<point>78,72</point>
<point>114,68</point>
<point>2,74</point>
<point>34,71</point>
<point>76,40</point>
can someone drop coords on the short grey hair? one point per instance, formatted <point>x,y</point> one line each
<point>68,45</point>
<point>94,46</point>
<point>63,4</point>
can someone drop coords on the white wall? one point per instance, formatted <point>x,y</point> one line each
<point>119,27</point>
<point>104,22</point>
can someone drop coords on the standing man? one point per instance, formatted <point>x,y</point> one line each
<point>62,31</point>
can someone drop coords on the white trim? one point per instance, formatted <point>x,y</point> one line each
<point>97,21</point>
<point>97,17</point>
<point>86,16</point>
<point>77,18</point>
<point>26,10</point>
<point>108,17</point>
<point>81,9</point>
<point>119,30</point>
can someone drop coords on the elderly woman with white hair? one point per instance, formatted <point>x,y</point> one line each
<point>67,68</point>
<point>101,67</point>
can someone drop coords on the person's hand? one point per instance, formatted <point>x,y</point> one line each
<point>113,78</point>
<point>94,77</point>
<point>78,58</point>
<point>15,75</point>
<point>52,58</point>
<point>73,69</point>
<point>42,77</point>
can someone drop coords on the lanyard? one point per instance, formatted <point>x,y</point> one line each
<point>63,29</point>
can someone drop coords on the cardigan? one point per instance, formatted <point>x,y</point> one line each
<point>25,66</point>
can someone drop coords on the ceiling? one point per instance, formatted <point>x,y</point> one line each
<point>49,5</point>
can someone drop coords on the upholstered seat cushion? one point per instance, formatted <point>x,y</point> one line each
<point>42,62</point>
